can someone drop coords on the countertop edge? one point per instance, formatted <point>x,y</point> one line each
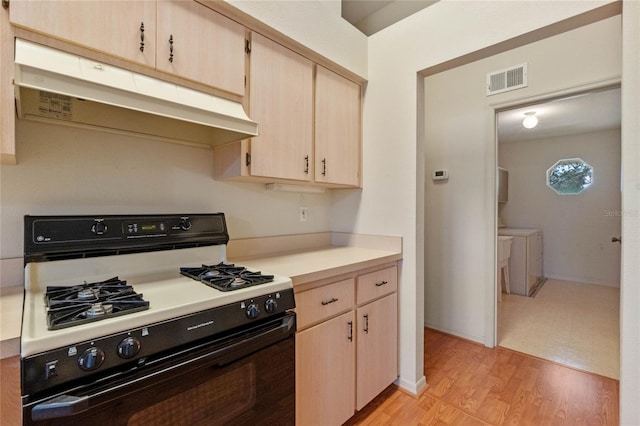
<point>313,265</point>
<point>345,269</point>
<point>11,298</point>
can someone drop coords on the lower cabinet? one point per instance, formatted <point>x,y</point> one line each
<point>325,372</point>
<point>346,346</point>
<point>377,361</point>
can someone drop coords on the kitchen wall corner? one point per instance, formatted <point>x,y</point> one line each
<point>11,272</point>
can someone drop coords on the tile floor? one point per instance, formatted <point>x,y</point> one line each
<point>570,323</point>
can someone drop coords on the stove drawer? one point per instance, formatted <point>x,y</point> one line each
<point>324,302</point>
<point>377,284</point>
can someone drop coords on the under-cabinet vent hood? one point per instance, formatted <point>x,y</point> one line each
<point>55,86</point>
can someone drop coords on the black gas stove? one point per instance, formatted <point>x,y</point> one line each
<point>144,313</point>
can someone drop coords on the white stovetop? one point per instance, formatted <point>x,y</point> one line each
<point>154,275</point>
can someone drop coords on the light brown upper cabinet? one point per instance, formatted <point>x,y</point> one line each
<point>199,44</point>
<point>337,129</point>
<point>183,38</point>
<point>281,101</point>
<point>126,29</point>
<point>310,125</point>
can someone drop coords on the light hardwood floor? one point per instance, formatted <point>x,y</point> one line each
<point>571,323</point>
<point>469,384</point>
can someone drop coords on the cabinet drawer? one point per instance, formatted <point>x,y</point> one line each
<point>376,284</point>
<point>323,302</point>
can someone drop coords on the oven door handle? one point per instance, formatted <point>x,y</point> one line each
<point>60,406</point>
<point>69,405</point>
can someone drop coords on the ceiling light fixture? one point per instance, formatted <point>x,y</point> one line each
<point>530,120</point>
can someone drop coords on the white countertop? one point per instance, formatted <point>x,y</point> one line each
<point>316,264</point>
<point>303,258</point>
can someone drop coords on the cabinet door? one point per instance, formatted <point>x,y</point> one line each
<point>337,129</point>
<point>7,97</point>
<point>199,44</point>
<point>281,101</point>
<point>377,351</point>
<point>325,372</point>
<point>113,27</point>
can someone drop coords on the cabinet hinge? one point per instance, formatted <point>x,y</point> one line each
<point>247,159</point>
<point>5,4</point>
<point>247,45</point>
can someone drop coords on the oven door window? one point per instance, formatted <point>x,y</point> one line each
<point>255,389</point>
<point>215,401</point>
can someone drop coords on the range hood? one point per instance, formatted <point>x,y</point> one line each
<point>55,86</point>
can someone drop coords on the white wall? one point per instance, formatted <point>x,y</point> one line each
<point>392,201</point>
<point>576,229</point>
<point>458,137</point>
<point>72,171</point>
<point>315,23</point>
<point>630,281</point>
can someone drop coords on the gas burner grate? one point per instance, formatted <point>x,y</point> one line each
<point>80,304</point>
<point>225,276</point>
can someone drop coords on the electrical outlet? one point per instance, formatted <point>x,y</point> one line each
<point>304,214</point>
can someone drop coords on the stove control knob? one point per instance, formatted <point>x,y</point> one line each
<point>253,311</point>
<point>128,348</point>
<point>270,305</point>
<point>185,224</point>
<point>99,228</point>
<point>91,359</point>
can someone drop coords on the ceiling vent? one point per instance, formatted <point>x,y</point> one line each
<point>507,79</point>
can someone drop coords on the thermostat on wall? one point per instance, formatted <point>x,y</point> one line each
<point>440,175</point>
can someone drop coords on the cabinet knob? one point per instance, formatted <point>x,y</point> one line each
<point>381,283</point>
<point>142,36</point>
<point>366,323</point>
<point>326,302</point>
<point>324,167</point>
<point>306,164</point>
<point>171,48</point>
<point>350,323</point>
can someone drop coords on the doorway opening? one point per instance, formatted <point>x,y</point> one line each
<point>562,217</point>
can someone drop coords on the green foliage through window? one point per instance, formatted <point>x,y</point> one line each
<point>570,176</point>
